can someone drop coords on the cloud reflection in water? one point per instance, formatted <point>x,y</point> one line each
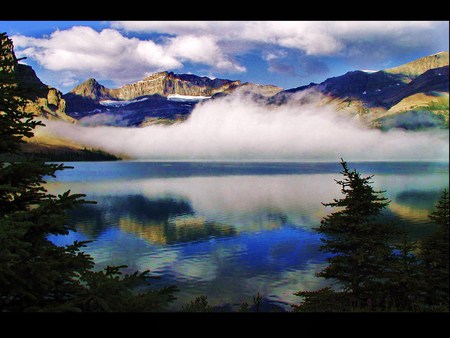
<point>228,236</point>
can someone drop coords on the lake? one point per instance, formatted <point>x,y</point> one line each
<point>229,230</point>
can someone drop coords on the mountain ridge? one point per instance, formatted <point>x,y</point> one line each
<point>373,95</point>
<point>162,83</point>
<point>169,98</point>
<point>163,96</point>
<point>382,99</point>
<point>419,66</point>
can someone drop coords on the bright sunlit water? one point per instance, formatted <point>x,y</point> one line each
<point>230,230</point>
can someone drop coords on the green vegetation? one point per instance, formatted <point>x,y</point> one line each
<point>433,115</point>
<point>440,108</point>
<point>413,120</point>
<point>440,104</point>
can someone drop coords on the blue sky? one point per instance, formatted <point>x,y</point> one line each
<point>283,53</point>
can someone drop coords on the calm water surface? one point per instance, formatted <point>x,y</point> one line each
<point>230,230</point>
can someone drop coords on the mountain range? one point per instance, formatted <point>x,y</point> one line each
<point>162,97</point>
<point>376,97</point>
<point>411,96</point>
<point>383,98</point>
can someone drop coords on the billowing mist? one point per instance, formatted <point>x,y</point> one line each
<point>236,127</point>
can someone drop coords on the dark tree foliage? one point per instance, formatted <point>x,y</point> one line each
<point>68,155</point>
<point>375,264</point>
<point>361,245</point>
<point>434,253</point>
<point>324,300</point>
<point>35,274</point>
<point>405,276</point>
<point>200,304</point>
<point>14,123</point>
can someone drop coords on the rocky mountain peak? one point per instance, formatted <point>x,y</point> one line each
<point>154,76</point>
<point>91,89</point>
<point>92,82</point>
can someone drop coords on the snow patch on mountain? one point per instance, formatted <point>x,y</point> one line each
<point>116,103</point>
<point>188,98</point>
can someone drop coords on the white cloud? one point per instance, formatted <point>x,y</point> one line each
<point>361,29</point>
<point>307,36</point>
<point>202,49</point>
<point>274,55</point>
<point>110,54</point>
<point>67,79</point>
<point>178,27</point>
<point>311,37</point>
<point>237,128</point>
<point>106,53</point>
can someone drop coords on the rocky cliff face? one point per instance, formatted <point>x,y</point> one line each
<point>167,83</point>
<point>41,99</point>
<point>163,83</point>
<point>136,103</point>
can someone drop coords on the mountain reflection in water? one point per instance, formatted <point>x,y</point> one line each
<point>229,231</point>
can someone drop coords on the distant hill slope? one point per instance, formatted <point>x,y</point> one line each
<point>420,86</point>
<point>432,80</point>
<point>417,67</point>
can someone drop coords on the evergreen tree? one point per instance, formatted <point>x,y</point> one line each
<point>35,274</point>
<point>324,300</point>
<point>361,245</point>
<point>435,258</point>
<point>405,277</point>
<point>14,122</point>
<point>31,268</point>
